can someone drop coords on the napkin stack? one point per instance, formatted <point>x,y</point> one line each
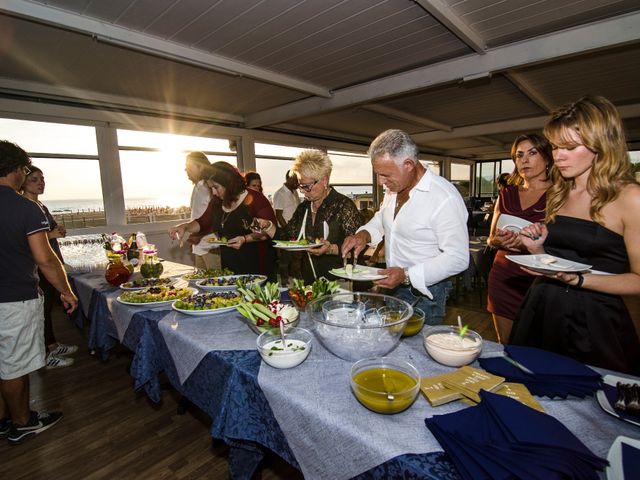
<point>502,438</point>
<point>544,373</point>
<point>630,461</point>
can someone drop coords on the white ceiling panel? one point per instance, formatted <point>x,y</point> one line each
<point>614,74</point>
<point>461,105</point>
<point>458,74</point>
<point>513,20</point>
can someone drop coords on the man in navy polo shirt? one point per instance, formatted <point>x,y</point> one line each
<point>23,248</point>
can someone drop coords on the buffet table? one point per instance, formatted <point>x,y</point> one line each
<point>306,414</point>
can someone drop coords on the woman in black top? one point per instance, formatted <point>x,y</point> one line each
<point>592,217</point>
<point>324,215</point>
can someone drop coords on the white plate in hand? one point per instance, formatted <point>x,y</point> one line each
<point>295,246</point>
<point>361,273</point>
<point>545,263</point>
<point>615,470</point>
<point>512,223</point>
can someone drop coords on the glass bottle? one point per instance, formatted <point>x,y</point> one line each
<point>151,267</point>
<point>117,272</point>
<point>133,254</point>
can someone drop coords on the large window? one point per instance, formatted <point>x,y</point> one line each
<point>154,180</point>
<point>461,178</point>
<point>272,163</point>
<point>486,174</point>
<point>351,174</point>
<point>67,155</point>
<point>432,165</point>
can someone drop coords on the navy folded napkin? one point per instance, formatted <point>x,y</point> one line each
<point>553,375</point>
<point>503,438</point>
<point>630,461</point>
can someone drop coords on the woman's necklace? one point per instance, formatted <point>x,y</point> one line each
<point>225,216</point>
<point>236,204</point>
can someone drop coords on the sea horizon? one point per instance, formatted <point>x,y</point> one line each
<point>96,204</point>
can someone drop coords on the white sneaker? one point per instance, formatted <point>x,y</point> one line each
<point>58,362</point>
<point>62,349</point>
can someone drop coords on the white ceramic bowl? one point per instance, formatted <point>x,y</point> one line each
<point>298,346</point>
<point>359,325</point>
<point>444,344</point>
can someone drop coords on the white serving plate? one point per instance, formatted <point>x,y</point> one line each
<point>603,401</point>
<point>226,288</point>
<point>150,304</point>
<point>615,470</point>
<point>202,313</point>
<point>131,289</point>
<point>295,247</point>
<point>512,223</point>
<point>361,273</point>
<point>534,262</point>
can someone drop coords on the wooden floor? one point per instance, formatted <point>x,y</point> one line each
<point>108,431</point>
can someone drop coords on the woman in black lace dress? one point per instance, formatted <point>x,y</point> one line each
<point>592,217</point>
<point>324,215</point>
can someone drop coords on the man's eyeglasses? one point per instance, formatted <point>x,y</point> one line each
<point>26,170</point>
<point>307,186</point>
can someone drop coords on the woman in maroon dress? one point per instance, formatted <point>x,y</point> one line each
<point>524,197</point>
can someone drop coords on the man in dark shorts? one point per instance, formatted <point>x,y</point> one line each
<point>24,247</point>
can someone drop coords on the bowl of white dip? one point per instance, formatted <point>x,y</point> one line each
<point>291,353</point>
<point>446,346</point>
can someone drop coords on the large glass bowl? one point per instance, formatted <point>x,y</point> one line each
<point>445,345</point>
<point>358,325</point>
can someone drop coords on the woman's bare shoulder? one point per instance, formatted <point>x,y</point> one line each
<point>630,196</point>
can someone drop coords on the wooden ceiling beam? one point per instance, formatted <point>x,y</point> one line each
<point>408,117</point>
<point>452,22</point>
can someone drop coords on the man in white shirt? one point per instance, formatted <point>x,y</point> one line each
<point>195,166</point>
<point>285,202</point>
<point>423,221</point>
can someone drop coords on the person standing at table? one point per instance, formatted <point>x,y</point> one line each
<point>24,247</point>
<point>57,352</point>
<point>524,197</point>
<point>592,217</point>
<point>285,202</point>
<point>195,166</point>
<point>423,220</point>
<point>253,181</point>
<point>325,215</point>
<point>229,215</point>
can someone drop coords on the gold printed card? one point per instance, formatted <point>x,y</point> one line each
<point>519,392</point>
<point>469,381</point>
<point>434,390</point>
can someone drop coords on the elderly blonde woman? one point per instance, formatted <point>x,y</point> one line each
<point>324,215</point>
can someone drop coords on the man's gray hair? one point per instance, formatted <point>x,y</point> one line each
<point>397,144</point>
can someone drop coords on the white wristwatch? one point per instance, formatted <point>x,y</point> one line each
<point>407,280</point>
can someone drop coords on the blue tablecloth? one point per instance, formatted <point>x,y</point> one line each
<point>226,384</point>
